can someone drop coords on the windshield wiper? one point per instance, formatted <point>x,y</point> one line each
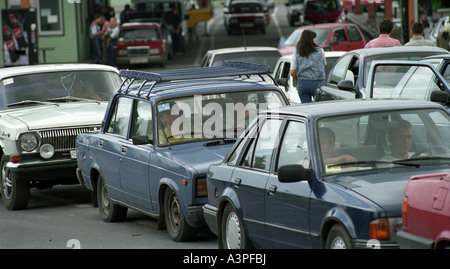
<point>28,102</point>
<point>71,99</point>
<point>364,162</point>
<point>414,161</point>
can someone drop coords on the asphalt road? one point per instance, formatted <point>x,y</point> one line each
<point>62,217</point>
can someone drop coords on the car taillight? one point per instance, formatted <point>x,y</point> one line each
<point>405,211</point>
<point>201,189</point>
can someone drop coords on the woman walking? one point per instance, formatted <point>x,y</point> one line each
<point>308,66</point>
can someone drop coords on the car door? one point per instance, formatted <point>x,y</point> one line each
<point>355,37</point>
<point>287,204</point>
<point>250,177</point>
<point>134,163</point>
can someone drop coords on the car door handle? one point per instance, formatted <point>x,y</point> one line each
<point>100,143</point>
<point>272,189</point>
<point>124,150</point>
<point>237,181</point>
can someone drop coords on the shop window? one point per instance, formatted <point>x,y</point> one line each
<point>50,19</point>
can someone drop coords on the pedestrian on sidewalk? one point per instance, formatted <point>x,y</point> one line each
<point>308,66</point>
<point>417,38</point>
<point>112,36</point>
<point>385,27</point>
<point>95,34</point>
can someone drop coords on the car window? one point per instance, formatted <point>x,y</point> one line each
<point>246,8</point>
<point>147,34</point>
<point>374,140</point>
<point>141,122</point>
<point>339,36</point>
<point>120,119</point>
<point>446,73</point>
<point>340,69</point>
<point>321,36</point>
<point>269,58</point>
<point>353,33</point>
<point>294,146</point>
<point>259,154</point>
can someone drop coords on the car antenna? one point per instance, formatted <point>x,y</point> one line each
<point>243,35</point>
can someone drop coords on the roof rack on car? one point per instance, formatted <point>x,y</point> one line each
<point>229,68</point>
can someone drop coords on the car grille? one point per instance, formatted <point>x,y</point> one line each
<point>63,139</point>
<point>138,51</point>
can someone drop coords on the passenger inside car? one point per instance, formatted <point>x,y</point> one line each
<point>400,138</point>
<point>327,144</point>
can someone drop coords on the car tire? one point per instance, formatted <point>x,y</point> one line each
<point>109,211</point>
<point>338,238</point>
<point>234,235</point>
<point>177,227</point>
<point>15,192</point>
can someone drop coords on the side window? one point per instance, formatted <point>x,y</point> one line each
<point>294,146</point>
<point>353,33</point>
<point>141,123</point>
<point>120,118</point>
<point>340,69</point>
<point>260,151</point>
<point>339,36</point>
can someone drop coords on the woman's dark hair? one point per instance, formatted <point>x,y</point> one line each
<point>305,46</point>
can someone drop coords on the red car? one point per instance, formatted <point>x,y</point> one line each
<point>349,5</point>
<point>322,11</point>
<point>246,15</point>
<point>330,36</point>
<point>426,212</point>
<point>142,43</point>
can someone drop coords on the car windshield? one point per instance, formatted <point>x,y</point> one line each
<point>296,2</point>
<point>384,140</point>
<point>269,58</point>
<point>212,116</point>
<point>403,81</point>
<point>246,8</point>
<point>321,38</point>
<point>58,87</point>
<point>147,33</point>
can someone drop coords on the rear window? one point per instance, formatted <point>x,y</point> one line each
<point>269,58</point>
<point>148,33</point>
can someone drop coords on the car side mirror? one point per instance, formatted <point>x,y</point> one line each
<point>440,97</point>
<point>294,173</point>
<point>141,140</point>
<point>282,81</point>
<point>346,85</point>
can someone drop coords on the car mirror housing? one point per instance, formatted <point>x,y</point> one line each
<point>141,140</point>
<point>294,173</point>
<point>282,82</point>
<point>346,85</point>
<point>440,97</point>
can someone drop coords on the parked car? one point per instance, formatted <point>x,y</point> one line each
<point>294,11</point>
<point>42,109</point>
<point>322,11</point>
<point>354,66</point>
<point>257,54</point>
<point>283,78</point>
<point>437,27</point>
<point>246,15</point>
<point>322,175</point>
<point>441,63</point>
<point>349,5</point>
<point>161,132</point>
<point>142,43</point>
<point>330,36</point>
<point>426,212</point>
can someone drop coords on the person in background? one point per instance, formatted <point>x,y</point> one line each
<point>417,38</point>
<point>308,66</point>
<point>125,14</point>
<point>386,27</point>
<point>95,34</point>
<point>175,22</point>
<point>112,36</point>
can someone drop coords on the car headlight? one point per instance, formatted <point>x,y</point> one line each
<point>47,151</point>
<point>28,142</point>
<point>154,51</point>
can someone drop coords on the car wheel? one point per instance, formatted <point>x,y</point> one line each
<point>234,235</point>
<point>109,211</point>
<point>15,192</point>
<point>338,238</point>
<point>177,227</point>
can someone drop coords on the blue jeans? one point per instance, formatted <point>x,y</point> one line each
<point>96,45</point>
<point>307,89</point>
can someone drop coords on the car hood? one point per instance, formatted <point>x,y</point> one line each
<point>385,188</point>
<point>60,115</point>
<point>198,156</point>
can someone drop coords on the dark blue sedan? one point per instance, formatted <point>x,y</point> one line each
<point>325,175</point>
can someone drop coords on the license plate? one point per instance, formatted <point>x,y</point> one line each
<point>138,60</point>
<point>246,24</point>
<point>73,154</point>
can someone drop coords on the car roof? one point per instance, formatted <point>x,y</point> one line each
<point>239,49</point>
<point>398,49</point>
<point>342,107</point>
<point>36,69</point>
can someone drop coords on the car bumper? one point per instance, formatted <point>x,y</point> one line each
<point>410,241</point>
<point>140,60</point>
<point>210,215</point>
<point>44,170</point>
<point>195,216</point>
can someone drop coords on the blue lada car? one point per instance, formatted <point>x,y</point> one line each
<point>160,133</point>
<point>325,175</point>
